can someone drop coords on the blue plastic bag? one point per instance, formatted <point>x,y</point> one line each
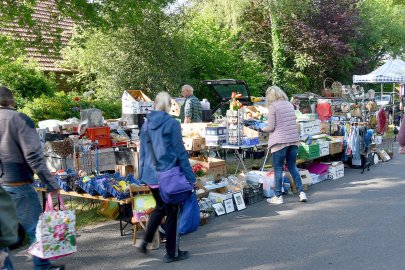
<point>190,215</point>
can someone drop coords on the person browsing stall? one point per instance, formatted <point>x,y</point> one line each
<point>190,111</point>
<point>21,156</point>
<point>162,148</point>
<point>283,141</point>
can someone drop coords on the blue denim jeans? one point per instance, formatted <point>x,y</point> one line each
<point>28,210</point>
<point>288,154</point>
<point>7,263</point>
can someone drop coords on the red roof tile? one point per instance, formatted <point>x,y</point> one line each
<point>45,14</point>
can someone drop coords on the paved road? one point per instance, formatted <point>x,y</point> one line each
<point>352,223</point>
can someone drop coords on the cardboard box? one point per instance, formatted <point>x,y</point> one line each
<point>208,163</point>
<point>192,129</point>
<point>212,166</point>
<point>251,133</point>
<point>383,155</point>
<point>215,131</point>
<point>323,148</point>
<point>215,140</point>
<point>305,177</point>
<point>336,170</point>
<point>194,144</point>
<point>124,170</point>
<point>175,109</point>
<point>136,102</point>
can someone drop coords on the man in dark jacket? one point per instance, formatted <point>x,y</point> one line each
<point>21,156</point>
<point>8,227</point>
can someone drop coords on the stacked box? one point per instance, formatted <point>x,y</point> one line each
<point>215,131</point>
<point>305,177</point>
<point>336,170</point>
<point>309,128</point>
<point>308,152</point>
<point>235,127</point>
<point>136,102</point>
<point>323,148</point>
<point>335,147</point>
<point>215,140</point>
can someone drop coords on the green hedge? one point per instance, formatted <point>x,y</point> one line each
<point>26,80</point>
<point>63,105</point>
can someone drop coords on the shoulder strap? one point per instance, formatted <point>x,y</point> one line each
<point>1,169</point>
<point>149,141</point>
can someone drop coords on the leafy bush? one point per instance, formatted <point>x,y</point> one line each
<point>26,80</point>
<point>63,105</point>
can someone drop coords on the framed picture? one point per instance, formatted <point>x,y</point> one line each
<point>229,206</point>
<point>219,209</point>
<point>240,203</point>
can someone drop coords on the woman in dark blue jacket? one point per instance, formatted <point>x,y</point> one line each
<point>162,134</point>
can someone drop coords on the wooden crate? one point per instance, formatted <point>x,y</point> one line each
<point>335,148</point>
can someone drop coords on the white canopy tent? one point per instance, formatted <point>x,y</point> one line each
<point>391,72</point>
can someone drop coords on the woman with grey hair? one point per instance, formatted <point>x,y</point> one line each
<point>162,148</point>
<point>283,141</point>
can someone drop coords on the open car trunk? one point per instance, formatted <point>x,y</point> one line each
<point>223,89</point>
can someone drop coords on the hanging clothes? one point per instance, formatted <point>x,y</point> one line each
<point>382,121</point>
<point>324,111</point>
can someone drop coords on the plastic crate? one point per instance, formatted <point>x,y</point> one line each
<point>88,187</point>
<point>67,182</point>
<point>63,182</point>
<point>251,141</point>
<point>253,194</point>
<point>113,180</point>
<point>99,134</point>
<point>308,151</point>
<point>99,185</point>
<point>215,131</point>
<point>39,184</point>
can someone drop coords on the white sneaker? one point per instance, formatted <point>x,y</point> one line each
<point>276,200</point>
<point>303,197</point>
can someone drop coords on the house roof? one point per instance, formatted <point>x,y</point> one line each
<point>51,22</point>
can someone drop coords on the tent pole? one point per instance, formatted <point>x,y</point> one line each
<point>382,89</point>
<point>393,103</point>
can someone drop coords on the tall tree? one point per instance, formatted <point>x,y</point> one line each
<point>146,56</point>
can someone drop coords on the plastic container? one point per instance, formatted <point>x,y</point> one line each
<point>205,104</point>
<point>253,194</point>
<point>88,187</point>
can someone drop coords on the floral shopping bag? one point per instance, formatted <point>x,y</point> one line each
<point>55,233</point>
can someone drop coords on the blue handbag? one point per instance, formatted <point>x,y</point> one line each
<point>189,215</point>
<point>174,187</point>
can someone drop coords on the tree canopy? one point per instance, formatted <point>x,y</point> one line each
<point>295,44</point>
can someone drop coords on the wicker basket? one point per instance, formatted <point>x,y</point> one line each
<point>337,89</point>
<point>327,91</point>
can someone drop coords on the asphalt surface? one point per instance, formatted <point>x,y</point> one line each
<point>356,222</point>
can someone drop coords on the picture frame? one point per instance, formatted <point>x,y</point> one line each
<point>229,207</point>
<point>240,203</point>
<point>219,209</point>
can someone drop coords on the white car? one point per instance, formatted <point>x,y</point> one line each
<point>386,99</point>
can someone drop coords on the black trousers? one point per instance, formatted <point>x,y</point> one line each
<point>172,214</point>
